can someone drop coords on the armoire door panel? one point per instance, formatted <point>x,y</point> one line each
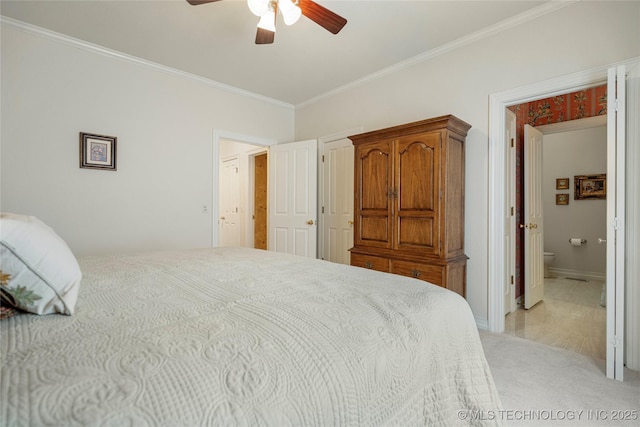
<point>375,170</point>
<point>374,230</point>
<point>417,173</point>
<point>418,233</point>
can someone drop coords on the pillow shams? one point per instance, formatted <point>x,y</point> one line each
<point>43,274</point>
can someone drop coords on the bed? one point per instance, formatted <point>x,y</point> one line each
<point>237,336</point>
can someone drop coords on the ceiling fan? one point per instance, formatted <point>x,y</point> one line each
<point>291,11</point>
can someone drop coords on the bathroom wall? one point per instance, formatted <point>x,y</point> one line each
<point>566,154</point>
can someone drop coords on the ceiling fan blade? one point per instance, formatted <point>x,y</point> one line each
<point>322,16</point>
<point>264,36</point>
<point>197,2</point>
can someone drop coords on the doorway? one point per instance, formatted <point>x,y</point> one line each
<point>242,194</point>
<point>570,314</point>
<point>619,120</point>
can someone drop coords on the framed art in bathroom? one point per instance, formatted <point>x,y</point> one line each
<point>98,151</point>
<point>562,183</point>
<point>590,187</point>
<point>562,199</point>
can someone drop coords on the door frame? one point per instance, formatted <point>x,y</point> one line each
<point>509,213</point>
<point>219,134</point>
<point>496,263</point>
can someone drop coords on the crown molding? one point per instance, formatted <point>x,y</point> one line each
<point>544,9</point>
<point>94,48</point>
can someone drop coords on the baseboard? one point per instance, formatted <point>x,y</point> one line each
<point>482,324</point>
<point>577,274</point>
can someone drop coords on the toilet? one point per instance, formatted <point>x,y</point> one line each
<point>548,260</point>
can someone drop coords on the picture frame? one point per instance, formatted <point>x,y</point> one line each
<point>562,183</point>
<point>98,151</point>
<point>562,199</point>
<point>590,187</point>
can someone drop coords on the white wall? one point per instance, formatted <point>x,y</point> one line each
<point>575,38</point>
<point>566,154</point>
<point>164,122</point>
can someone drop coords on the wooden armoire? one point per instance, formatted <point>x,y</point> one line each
<point>409,201</point>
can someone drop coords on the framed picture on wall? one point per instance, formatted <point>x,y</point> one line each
<point>590,187</point>
<point>97,151</point>
<point>562,183</point>
<point>562,199</point>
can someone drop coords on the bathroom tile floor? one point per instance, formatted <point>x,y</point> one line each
<point>569,317</point>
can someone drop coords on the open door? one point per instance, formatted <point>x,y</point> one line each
<point>293,183</point>
<point>230,217</point>
<point>532,216</point>
<point>337,201</point>
<point>616,148</point>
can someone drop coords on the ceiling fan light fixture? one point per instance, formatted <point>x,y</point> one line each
<point>259,7</point>
<point>268,21</point>
<point>290,11</point>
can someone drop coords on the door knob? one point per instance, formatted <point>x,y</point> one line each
<point>601,240</point>
<point>310,222</point>
<point>528,226</point>
<point>222,218</point>
<point>350,222</point>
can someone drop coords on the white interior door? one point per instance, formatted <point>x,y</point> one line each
<point>632,221</point>
<point>230,222</point>
<point>616,147</point>
<point>337,201</point>
<point>293,183</point>
<point>509,214</point>
<point>532,217</point>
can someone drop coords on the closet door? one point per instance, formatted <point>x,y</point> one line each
<point>418,193</point>
<point>373,194</point>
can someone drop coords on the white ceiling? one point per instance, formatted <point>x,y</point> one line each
<point>216,40</point>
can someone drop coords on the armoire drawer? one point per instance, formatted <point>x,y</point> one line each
<point>370,262</point>
<point>430,273</point>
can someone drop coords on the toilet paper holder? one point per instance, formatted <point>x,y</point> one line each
<point>582,241</point>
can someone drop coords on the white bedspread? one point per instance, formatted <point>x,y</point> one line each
<point>234,336</point>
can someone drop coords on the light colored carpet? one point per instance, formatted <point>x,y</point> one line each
<point>548,386</point>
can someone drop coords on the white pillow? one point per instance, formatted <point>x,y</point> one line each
<point>44,276</point>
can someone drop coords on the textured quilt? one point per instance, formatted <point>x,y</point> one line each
<point>233,336</point>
